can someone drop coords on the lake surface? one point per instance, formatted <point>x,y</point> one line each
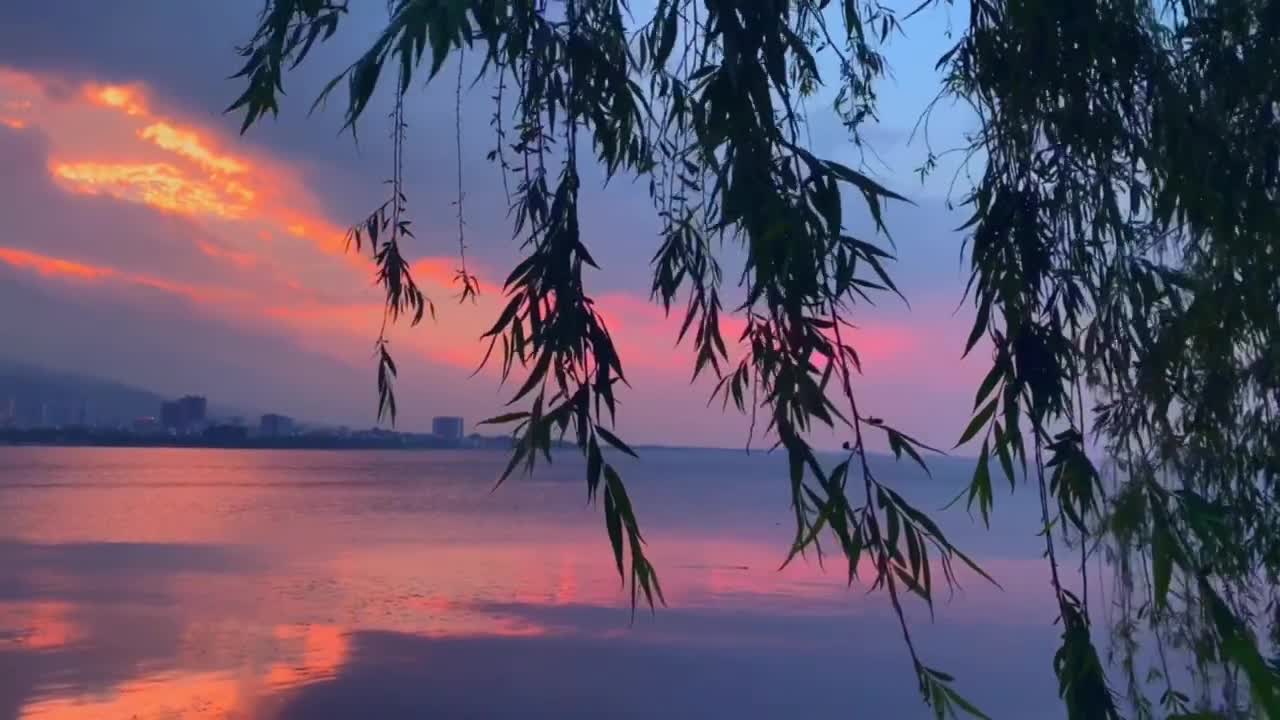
<point>161,584</point>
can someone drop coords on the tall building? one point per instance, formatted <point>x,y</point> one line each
<point>272,425</point>
<point>184,414</point>
<point>28,414</point>
<point>171,415</point>
<point>194,409</point>
<point>448,428</point>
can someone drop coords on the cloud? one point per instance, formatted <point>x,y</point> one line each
<point>52,267</point>
<point>130,217</point>
<point>56,216</point>
<point>194,177</point>
<point>190,145</point>
<point>129,99</point>
<point>159,185</point>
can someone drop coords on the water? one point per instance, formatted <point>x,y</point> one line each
<point>156,584</point>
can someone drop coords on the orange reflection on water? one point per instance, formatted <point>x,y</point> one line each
<point>195,696</point>
<point>566,583</point>
<point>324,650</point>
<point>442,617</point>
<point>309,653</point>
<point>44,625</point>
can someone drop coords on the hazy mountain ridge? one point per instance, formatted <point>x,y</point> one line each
<point>34,395</point>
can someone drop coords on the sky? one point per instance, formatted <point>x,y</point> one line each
<point>142,239</point>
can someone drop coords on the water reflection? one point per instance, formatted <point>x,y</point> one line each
<point>342,585</point>
<point>323,651</point>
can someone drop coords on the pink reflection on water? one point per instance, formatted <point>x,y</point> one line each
<point>306,654</point>
<point>309,567</point>
<point>193,696</point>
<point>324,650</point>
<point>479,591</point>
<point>41,625</point>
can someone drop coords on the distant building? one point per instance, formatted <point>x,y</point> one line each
<point>476,440</point>
<point>447,428</point>
<point>194,409</point>
<point>146,426</point>
<point>184,414</point>
<point>225,434</point>
<point>272,425</point>
<point>171,415</point>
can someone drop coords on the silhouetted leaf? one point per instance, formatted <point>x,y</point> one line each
<point>978,422</point>
<point>503,419</point>
<point>615,441</point>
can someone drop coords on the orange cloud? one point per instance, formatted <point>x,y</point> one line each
<point>234,188</point>
<point>433,269</point>
<point>208,182</point>
<point>15,110</point>
<point>322,233</point>
<point>190,145</point>
<point>358,318</point>
<point>451,341</point>
<point>646,336</point>
<point>443,272</point>
<point>256,213</point>
<point>239,259</point>
<point>129,99</point>
<point>196,293</point>
<point>159,185</point>
<point>52,267</point>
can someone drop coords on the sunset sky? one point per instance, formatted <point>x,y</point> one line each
<point>145,241</point>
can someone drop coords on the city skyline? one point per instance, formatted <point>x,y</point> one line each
<point>54,410</point>
<point>53,402</point>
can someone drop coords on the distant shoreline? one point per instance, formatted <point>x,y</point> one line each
<point>304,444</point>
<point>202,445</point>
<point>124,439</point>
<point>384,440</point>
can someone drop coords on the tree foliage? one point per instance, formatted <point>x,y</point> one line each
<point>1125,272</point>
